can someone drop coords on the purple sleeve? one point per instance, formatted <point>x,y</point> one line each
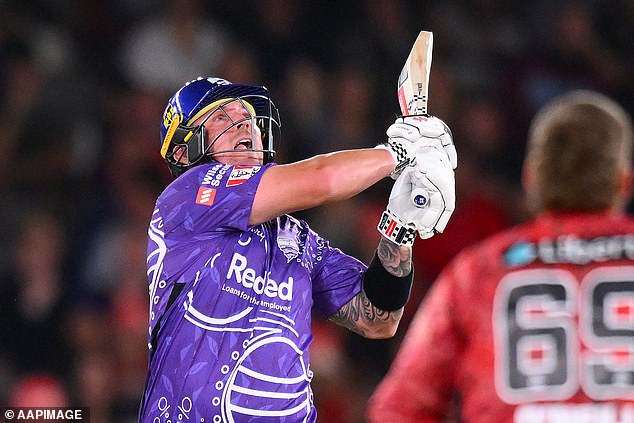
<point>336,278</point>
<point>211,198</point>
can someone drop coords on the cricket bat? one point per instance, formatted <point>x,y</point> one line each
<point>413,82</point>
<point>413,88</point>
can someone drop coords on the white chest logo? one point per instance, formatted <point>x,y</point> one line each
<point>288,240</point>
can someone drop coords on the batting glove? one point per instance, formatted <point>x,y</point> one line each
<point>433,191</point>
<point>422,199</point>
<point>411,134</point>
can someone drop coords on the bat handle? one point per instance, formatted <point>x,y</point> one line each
<point>420,197</point>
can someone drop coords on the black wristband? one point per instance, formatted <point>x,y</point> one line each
<point>384,290</point>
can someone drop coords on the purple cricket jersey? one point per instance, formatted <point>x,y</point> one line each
<point>233,346</point>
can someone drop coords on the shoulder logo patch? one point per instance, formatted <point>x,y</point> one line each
<point>241,174</point>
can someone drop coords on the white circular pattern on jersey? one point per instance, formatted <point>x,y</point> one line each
<point>286,396</point>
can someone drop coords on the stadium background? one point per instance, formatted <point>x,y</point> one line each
<point>82,88</point>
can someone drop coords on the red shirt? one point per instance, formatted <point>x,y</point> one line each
<point>535,324</point>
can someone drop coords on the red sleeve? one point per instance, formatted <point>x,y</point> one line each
<point>418,387</point>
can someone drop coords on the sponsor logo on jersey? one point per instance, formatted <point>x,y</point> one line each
<point>205,196</point>
<point>240,271</point>
<point>215,174</point>
<point>241,174</point>
<point>570,249</point>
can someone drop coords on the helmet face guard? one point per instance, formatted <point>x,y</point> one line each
<point>186,145</point>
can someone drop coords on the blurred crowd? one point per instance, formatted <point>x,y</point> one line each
<point>83,84</point>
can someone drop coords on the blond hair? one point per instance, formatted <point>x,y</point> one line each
<point>578,146</point>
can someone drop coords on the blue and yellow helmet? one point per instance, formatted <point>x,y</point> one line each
<point>201,97</point>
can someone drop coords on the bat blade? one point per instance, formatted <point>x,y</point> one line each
<point>412,89</point>
<point>413,82</point>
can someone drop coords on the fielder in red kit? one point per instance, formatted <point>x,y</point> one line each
<point>536,324</point>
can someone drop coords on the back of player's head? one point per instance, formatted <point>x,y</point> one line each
<point>579,149</point>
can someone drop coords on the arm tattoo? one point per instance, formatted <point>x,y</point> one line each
<point>359,312</point>
<point>396,259</point>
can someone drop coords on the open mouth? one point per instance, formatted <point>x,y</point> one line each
<point>244,144</point>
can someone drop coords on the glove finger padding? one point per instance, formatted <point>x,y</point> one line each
<point>446,140</point>
<point>437,177</point>
<point>426,235</point>
<point>431,157</point>
<point>409,135</point>
<point>452,154</point>
<point>434,132</point>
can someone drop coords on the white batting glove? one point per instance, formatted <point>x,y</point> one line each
<point>393,224</point>
<point>433,191</point>
<point>410,134</point>
<point>422,199</point>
